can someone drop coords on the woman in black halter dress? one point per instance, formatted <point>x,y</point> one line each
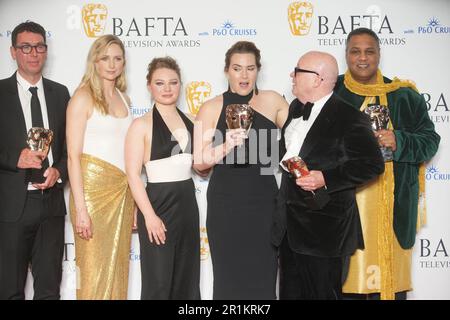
<point>168,224</point>
<point>241,197</point>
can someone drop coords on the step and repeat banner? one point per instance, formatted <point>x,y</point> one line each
<point>415,41</point>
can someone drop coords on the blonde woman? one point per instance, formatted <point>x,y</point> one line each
<point>101,205</point>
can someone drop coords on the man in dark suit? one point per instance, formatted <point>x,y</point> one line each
<point>318,226</point>
<point>31,211</point>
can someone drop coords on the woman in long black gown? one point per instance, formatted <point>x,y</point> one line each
<point>241,197</point>
<point>168,225</point>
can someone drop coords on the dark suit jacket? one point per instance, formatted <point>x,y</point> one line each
<point>342,145</point>
<point>13,136</point>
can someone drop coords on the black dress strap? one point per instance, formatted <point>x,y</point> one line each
<point>164,144</point>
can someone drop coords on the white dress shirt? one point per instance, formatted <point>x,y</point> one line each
<point>25,101</point>
<point>297,130</point>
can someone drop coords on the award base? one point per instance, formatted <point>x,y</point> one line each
<point>317,199</point>
<point>242,156</point>
<point>35,175</point>
<point>387,154</point>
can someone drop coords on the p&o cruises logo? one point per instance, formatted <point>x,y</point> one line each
<point>433,26</point>
<point>134,255</point>
<point>228,28</point>
<point>138,111</point>
<point>434,174</point>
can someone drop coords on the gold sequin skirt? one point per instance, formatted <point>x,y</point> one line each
<point>103,261</point>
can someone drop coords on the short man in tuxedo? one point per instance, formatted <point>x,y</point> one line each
<point>31,211</point>
<point>318,226</point>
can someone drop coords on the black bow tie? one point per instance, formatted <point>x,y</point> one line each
<point>301,110</point>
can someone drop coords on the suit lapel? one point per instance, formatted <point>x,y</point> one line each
<point>16,108</point>
<point>321,124</point>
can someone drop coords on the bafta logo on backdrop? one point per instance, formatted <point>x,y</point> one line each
<point>94,19</point>
<point>300,16</point>
<point>197,92</point>
<point>204,244</point>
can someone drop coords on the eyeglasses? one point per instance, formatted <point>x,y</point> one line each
<point>27,48</point>
<point>297,69</point>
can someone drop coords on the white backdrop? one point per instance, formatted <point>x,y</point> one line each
<point>415,39</point>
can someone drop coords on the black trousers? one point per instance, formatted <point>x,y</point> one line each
<point>37,238</point>
<point>169,271</point>
<point>304,277</point>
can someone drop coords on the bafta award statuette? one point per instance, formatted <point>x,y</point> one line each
<point>379,118</point>
<point>296,166</point>
<point>39,139</point>
<point>240,116</point>
<point>316,199</point>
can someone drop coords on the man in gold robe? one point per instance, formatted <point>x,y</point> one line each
<point>392,207</point>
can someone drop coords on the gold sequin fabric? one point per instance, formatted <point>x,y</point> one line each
<point>103,261</point>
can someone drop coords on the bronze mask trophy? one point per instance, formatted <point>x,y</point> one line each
<point>297,168</point>
<point>379,118</point>
<point>39,139</point>
<point>240,116</point>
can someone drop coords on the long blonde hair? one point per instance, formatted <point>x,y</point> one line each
<point>92,81</point>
